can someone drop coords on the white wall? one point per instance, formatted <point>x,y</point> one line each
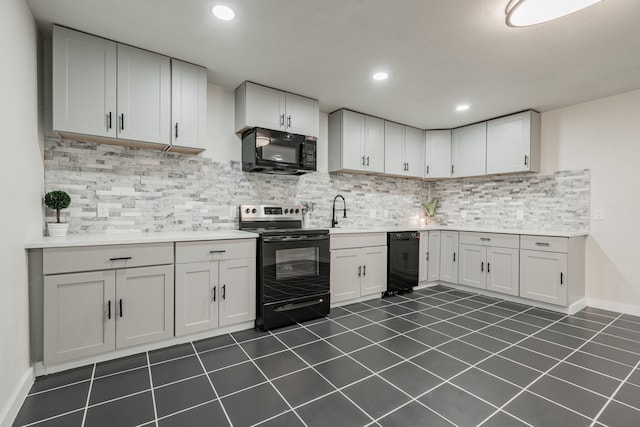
<point>21,173</point>
<point>604,136</point>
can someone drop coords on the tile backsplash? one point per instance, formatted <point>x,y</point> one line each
<point>119,189</point>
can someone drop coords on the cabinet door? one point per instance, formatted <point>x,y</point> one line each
<point>423,264</point>
<point>543,276</point>
<point>374,270</point>
<point>237,291</point>
<point>144,299</point>
<point>79,315</point>
<point>449,256</point>
<point>144,95</point>
<point>508,143</point>
<point>188,105</point>
<point>84,83</point>
<point>414,151</point>
<point>394,162</point>
<point>346,272</point>
<point>469,150</point>
<point>302,115</point>
<point>434,256</point>
<point>353,140</point>
<point>471,271</point>
<point>197,294</point>
<point>438,154</point>
<point>265,107</point>
<point>373,147</point>
<point>503,268</point>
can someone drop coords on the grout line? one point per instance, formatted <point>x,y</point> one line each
<point>44,420</point>
<point>268,380</point>
<point>622,383</point>
<point>153,393</point>
<point>211,383</point>
<point>86,406</point>
<point>58,387</point>
<point>187,409</point>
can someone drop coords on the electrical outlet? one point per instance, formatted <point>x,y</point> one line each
<point>103,210</point>
<point>463,214</point>
<point>519,214</point>
<point>599,215</point>
<point>372,213</point>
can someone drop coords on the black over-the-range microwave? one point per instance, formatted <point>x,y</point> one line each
<point>272,151</point>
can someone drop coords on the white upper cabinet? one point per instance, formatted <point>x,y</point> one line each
<point>356,142</point>
<point>403,150</point>
<point>84,83</point>
<point>469,150</point>
<point>188,105</point>
<point>123,95</point>
<point>144,94</point>
<point>265,107</point>
<point>437,154</point>
<point>513,143</point>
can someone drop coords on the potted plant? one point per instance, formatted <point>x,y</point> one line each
<point>430,210</point>
<point>307,208</point>
<point>57,200</point>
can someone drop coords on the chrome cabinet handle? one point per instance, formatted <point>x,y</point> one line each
<point>289,122</point>
<point>282,119</point>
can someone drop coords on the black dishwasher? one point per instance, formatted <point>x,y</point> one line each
<point>403,259</point>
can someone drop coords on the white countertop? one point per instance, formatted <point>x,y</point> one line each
<point>133,238</point>
<point>453,228</point>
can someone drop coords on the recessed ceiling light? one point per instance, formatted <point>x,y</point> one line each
<point>380,76</point>
<point>462,107</point>
<point>522,13</point>
<point>223,12</point>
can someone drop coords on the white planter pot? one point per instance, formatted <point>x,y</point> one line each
<point>58,229</point>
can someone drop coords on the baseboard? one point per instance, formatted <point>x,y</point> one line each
<point>614,306</point>
<point>11,409</point>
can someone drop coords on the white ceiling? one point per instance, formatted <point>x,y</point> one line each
<point>438,53</point>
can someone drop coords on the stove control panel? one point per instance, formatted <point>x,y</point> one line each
<point>270,212</point>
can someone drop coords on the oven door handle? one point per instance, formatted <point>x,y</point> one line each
<point>295,306</point>
<point>294,239</point>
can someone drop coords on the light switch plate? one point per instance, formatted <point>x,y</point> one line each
<point>599,215</point>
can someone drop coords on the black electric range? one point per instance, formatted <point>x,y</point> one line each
<point>293,265</point>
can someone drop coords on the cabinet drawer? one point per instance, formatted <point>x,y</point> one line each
<point>490,239</point>
<point>88,258</point>
<point>358,240</point>
<point>545,243</point>
<point>214,250</point>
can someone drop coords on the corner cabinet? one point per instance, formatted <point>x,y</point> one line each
<point>449,256</point>
<point>265,107</point>
<point>437,154</point>
<point>101,298</point>
<point>188,107</point>
<point>215,284</point>
<point>110,90</point>
<point>356,142</point>
<point>513,143</point>
<point>358,266</point>
<point>403,150</point>
<point>552,269</point>
<point>429,266</point>
<point>469,150</point>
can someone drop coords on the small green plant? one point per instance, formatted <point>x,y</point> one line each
<point>307,207</point>
<point>57,200</point>
<point>430,207</point>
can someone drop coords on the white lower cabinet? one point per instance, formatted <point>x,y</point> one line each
<point>429,267</point>
<point>88,313</point>
<point>449,256</point>
<point>218,288</point>
<point>358,266</point>
<point>543,276</point>
<point>489,261</point>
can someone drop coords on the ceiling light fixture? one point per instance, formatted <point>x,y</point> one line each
<point>380,76</point>
<point>222,12</point>
<point>463,107</point>
<point>522,13</point>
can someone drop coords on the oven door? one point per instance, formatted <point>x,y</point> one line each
<point>294,267</point>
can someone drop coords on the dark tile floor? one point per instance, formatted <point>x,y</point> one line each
<point>436,357</point>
